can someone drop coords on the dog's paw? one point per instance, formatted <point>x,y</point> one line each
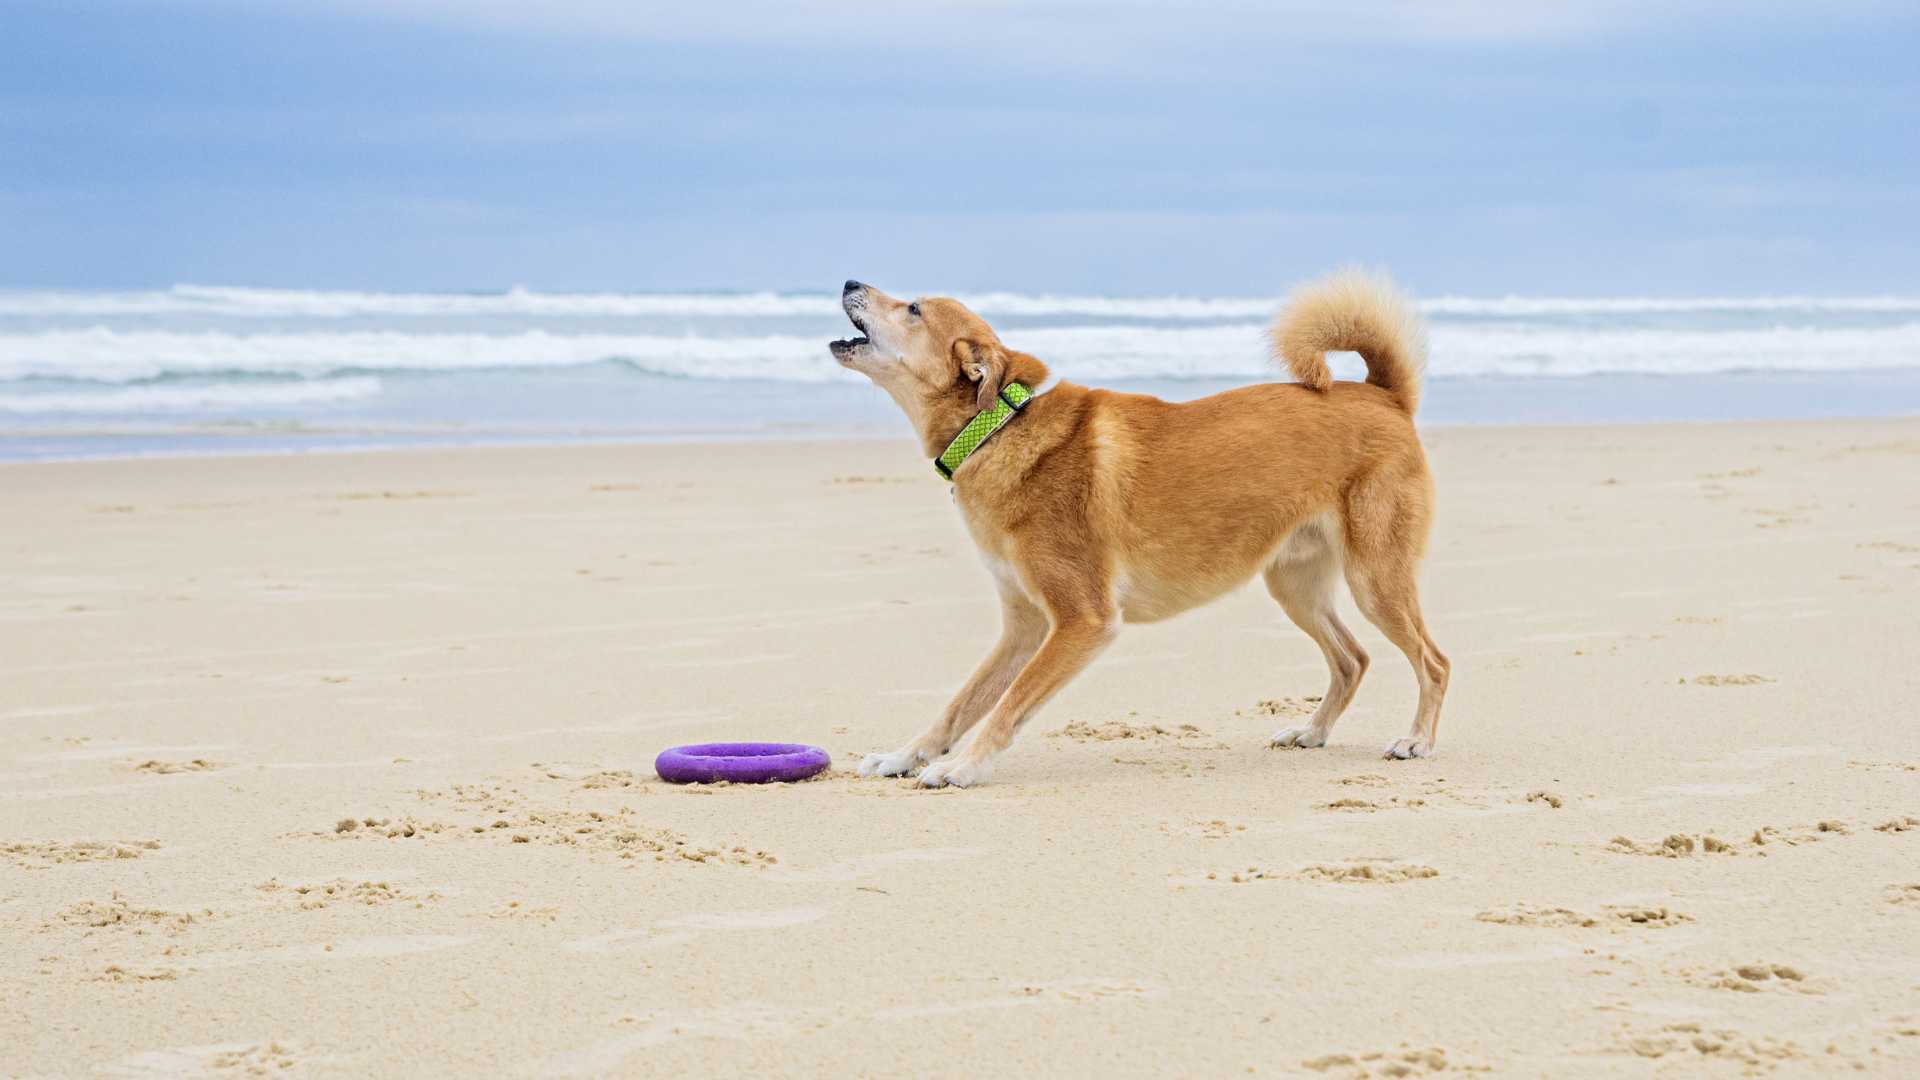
<point>898,763</point>
<point>1402,749</point>
<point>1297,737</point>
<point>953,774</point>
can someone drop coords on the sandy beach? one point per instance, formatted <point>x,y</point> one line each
<point>341,765</point>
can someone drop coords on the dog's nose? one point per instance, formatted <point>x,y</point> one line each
<point>851,286</point>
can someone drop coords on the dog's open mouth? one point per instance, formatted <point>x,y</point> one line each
<point>844,347</point>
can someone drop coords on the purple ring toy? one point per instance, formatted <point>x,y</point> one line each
<point>740,763</point>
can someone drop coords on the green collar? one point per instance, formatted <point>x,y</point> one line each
<point>1013,397</point>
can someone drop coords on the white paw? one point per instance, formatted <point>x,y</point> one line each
<point>1303,738</point>
<point>953,774</point>
<point>1402,749</point>
<point>898,763</point>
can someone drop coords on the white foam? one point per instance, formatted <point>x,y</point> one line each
<point>341,365</point>
<point>1646,305</point>
<point>106,355</point>
<point>165,399</point>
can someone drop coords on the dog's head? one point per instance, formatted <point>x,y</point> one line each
<point>927,353</point>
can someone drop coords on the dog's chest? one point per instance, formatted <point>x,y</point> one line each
<point>993,544</point>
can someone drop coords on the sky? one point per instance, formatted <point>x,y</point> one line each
<point>1211,147</point>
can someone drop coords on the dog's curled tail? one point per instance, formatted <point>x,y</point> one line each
<point>1353,310</point>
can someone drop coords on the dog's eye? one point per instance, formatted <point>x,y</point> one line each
<point>913,310</point>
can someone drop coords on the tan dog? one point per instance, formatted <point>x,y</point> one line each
<point>1093,508</point>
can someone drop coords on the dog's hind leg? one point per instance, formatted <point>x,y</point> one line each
<point>1383,563</point>
<point>1302,577</point>
<point>1023,627</point>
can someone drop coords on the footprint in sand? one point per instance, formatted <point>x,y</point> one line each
<point>1675,846</point>
<point>39,855</point>
<point>1728,680</point>
<point>119,914</point>
<point>1367,806</point>
<point>1366,872</point>
<point>1907,895</point>
<point>617,832</point>
<point>1753,979</point>
<point>1166,766</point>
<point>1696,1043</point>
<point>1795,835</point>
<point>135,976</point>
<point>326,894</point>
<point>516,909</point>
<point>1217,829</point>
<point>1683,845</point>
<point>1285,707</point>
<point>156,767</point>
<point>1610,916</point>
<point>1357,872</point>
<point>1119,730</point>
<point>1391,1063</point>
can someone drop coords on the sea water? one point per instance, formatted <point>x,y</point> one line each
<point>197,369</point>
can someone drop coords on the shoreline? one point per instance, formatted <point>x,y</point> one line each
<point>810,439</point>
<point>668,411</point>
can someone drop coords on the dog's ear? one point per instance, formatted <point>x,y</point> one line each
<point>984,363</point>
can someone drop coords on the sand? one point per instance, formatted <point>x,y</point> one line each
<point>341,765</point>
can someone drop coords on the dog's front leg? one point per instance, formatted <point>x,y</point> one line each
<point>1068,649</point>
<point>1022,628</point>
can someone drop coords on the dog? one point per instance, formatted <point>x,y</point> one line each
<point>1093,508</point>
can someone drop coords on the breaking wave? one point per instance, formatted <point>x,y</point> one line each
<point>101,355</point>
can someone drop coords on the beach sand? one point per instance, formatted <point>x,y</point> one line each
<point>341,765</point>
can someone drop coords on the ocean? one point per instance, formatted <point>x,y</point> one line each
<point>200,369</point>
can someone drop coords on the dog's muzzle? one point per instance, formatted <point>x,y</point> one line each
<point>853,300</point>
